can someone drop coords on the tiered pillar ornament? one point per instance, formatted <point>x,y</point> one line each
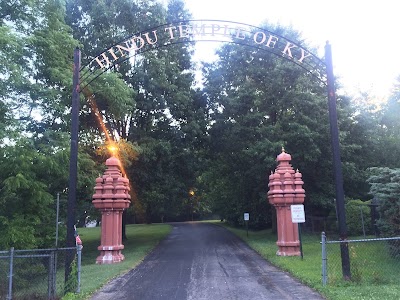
<point>286,189</point>
<point>111,197</point>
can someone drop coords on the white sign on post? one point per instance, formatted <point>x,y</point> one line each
<point>246,216</point>
<point>298,215</point>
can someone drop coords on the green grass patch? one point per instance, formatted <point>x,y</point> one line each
<point>141,240</point>
<point>375,274</point>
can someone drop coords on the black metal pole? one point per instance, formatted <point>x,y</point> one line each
<point>337,164</point>
<point>301,242</point>
<point>73,164</point>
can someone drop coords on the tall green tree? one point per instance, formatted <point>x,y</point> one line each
<point>371,139</point>
<point>385,185</point>
<point>25,200</point>
<point>16,25</point>
<point>168,124</point>
<point>260,103</point>
<point>36,47</point>
<point>384,179</point>
<point>389,137</point>
<point>363,139</point>
<point>148,100</point>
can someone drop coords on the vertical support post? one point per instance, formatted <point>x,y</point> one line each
<point>73,165</point>
<point>300,239</point>
<point>324,260</point>
<point>10,275</point>
<point>57,215</point>
<point>51,288</point>
<point>362,220</point>
<point>337,164</point>
<point>79,264</point>
<point>374,215</point>
<point>191,205</point>
<point>191,194</point>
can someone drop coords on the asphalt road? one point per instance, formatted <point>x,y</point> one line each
<point>200,261</point>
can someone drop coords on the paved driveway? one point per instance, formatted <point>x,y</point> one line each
<point>201,261</point>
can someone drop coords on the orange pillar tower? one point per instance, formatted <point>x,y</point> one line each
<point>111,197</point>
<point>285,189</point>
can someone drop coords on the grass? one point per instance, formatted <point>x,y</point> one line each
<point>141,240</point>
<point>382,284</point>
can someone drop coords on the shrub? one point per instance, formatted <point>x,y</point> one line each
<point>357,212</point>
<point>385,185</point>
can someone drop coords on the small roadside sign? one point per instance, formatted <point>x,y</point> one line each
<point>298,215</point>
<point>246,217</point>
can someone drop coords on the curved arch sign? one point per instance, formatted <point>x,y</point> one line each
<point>203,30</point>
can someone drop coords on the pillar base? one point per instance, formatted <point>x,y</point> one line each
<point>288,251</point>
<point>109,257</point>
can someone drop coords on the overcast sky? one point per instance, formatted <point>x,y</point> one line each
<point>364,34</point>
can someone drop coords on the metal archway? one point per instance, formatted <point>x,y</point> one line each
<point>192,31</point>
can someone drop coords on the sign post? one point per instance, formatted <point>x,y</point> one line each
<point>298,216</point>
<point>246,218</point>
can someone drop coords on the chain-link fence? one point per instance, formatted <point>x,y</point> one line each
<point>38,274</point>
<point>361,220</point>
<point>375,261</point>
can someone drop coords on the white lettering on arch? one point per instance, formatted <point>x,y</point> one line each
<point>213,30</point>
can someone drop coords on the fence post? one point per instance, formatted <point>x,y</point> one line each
<point>79,251</point>
<point>324,259</point>
<point>362,220</point>
<point>10,276</point>
<point>52,276</point>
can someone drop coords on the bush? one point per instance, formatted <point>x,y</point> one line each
<point>72,282</point>
<point>357,212</point>
<point>385,186</point>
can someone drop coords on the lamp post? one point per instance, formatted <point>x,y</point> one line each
<point>191,194</point>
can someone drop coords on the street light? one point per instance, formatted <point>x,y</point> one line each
<point>113,149</point>
<point>191,194</point>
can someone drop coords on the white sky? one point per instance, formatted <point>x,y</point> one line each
<point>364,34</point>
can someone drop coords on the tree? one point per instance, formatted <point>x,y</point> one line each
<point>32,175</point>
<point>36,55</point>
<point>389,136</point>
<point>385,185</point>
<point>384,180</point>
<point>24,192</point>
<point>260,103</point>
<point>16,25</point>
<point>148,100</point>
<point>220,140</point>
